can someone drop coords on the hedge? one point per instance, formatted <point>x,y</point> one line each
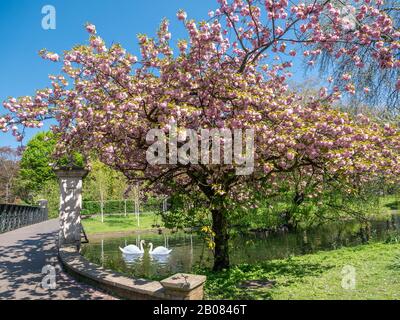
<point>117,206</point>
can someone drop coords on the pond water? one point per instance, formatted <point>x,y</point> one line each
<point>189,250</point>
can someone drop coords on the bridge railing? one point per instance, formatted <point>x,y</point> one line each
<point>16,216</point>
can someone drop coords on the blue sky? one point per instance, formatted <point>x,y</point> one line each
<point>22,35</point>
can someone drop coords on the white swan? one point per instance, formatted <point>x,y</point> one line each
<point>132,249</point>
<point>159,251</point>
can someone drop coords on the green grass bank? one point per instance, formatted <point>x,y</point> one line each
<point>120,223</point>
<point>317,276</point>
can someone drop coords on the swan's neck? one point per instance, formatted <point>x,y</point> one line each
<point>141,245</point>
<point>151,247</point>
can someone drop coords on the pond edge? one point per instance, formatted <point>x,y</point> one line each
<point>178,287</point>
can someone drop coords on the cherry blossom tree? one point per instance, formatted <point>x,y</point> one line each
<point>375,86</point>
<point>232,72</point>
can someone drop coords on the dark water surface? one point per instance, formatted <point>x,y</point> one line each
<point>189,250</point>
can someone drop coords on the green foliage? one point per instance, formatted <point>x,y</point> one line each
<point>103,183</point>
<point>36,174</point>
<point>334,203</point>
<point>264,211</point>
<point>186,211</point>
<point>110,207</point>
<point>118,206</point>
<point>35,170</point>
<point>393,237</point>
<point>396,263</point>
<point>51,192</point>
<point>266,214</point>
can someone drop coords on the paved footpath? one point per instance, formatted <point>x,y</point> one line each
<point>23,254</point>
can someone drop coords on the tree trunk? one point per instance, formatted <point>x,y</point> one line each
<point>102,206</point>
<point>288,221</point>
<point>220,227</point>
<point>288,218</point>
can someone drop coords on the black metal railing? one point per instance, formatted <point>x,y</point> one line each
<point>15,216</point>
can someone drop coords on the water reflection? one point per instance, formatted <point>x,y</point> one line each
<point>131,259</point>
<point>189,250</point>
<point>365,233</point>
<point>160,259</point>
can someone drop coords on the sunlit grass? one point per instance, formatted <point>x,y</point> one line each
<point>316,276</point>
<point>120,223</point>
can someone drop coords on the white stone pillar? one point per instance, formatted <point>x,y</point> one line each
<point>70,206</point>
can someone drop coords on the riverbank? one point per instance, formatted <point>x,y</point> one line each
<point>317,276</point>
<point>150,221</point>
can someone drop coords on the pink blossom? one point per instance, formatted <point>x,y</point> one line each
<point>290,156</point>
<point>279,31</point>
<point>346,77</point>
<point>182,15</point>
<point>91,28</point>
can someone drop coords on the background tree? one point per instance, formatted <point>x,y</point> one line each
<point>115,183</point>
<point>104,184</point>
<point>50,190</point>
<point>35,171</point>
<point>9,166</point>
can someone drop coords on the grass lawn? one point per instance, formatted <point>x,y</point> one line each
<point>316,276</point>
<point>94,225</point>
